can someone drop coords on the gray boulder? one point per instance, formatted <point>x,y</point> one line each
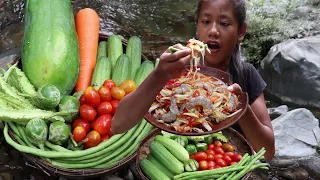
<point>277,111</point>
<point>292,71</point>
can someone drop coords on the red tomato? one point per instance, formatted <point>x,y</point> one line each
<point>232,163</point>
<point>109,83</point>
<point>92,96</point>
<point>110,134</point>
<point>227,159</point>
<point>82,100</point>
<point>117,93</point>
<point>79,133</point>
<point>236,157</point>
<point>114,104</point>
<point>203,165</point>
<point>217,156</point>
<point>80,122</point>
<point>218,150</point>
<point>102,124</point>
<point>128,86</point>
<point>105,94</point>
<point>104,108</point>
<point>210,168</point>
<point>87,112</point>
<point>210,164</point>
<point>229,153</point>
<point>217,143</point>
<point>210,157</point>
<point>221,162</point>
<point>216,166</point>
<point>210,151</point>
<point>104,138</point>
<point>227,147</point>
<point>210,146</point>
<point>93,139</point>
<point>199,156</point>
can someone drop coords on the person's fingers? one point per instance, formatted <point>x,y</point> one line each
<point>235,88</point>
<point>178,55</point>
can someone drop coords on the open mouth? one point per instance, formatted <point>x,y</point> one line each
<point>213,46</point>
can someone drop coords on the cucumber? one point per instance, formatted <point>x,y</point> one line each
<point>162,168</point>
<point>114,48</point>
<point>166,158</point>
<point>151,171</point>
<point>121,69</point>
<point>144,70</point>
<point>102,49</point>
<point>102,71</point>
<point>174,147</point>
<point>134,53</point>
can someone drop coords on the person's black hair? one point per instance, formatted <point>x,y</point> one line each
<point>237,65</point>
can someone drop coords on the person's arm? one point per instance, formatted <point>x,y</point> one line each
<point>256,126</point>
<point>133,107</point>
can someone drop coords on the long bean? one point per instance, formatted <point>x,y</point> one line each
<point>243,161</point>
<point>14,128</point>
<point>54,154</point>
<point>24,137</point>
<point>56,147</point>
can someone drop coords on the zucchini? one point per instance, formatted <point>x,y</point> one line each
<point>166,158</point>
<point>102,49</point>
<point>121,69</point>
<point>114,48</point>
<point>134,53</point>
<point>144,70</point>
<point>151,171</point>
<point>162,168</point>
<point>102,71</point>
<point>174,147</point>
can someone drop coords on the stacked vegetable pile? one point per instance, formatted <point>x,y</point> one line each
<point>196,157</point>
<point>59,104</point>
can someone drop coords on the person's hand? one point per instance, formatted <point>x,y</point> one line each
<point>235,88</point>
<point>174,65</point>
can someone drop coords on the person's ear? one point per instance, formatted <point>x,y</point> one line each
<point>242,32</point>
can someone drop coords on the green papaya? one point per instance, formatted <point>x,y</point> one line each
<point>50,50</point>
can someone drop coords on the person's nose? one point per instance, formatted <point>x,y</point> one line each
<point>214,31</point>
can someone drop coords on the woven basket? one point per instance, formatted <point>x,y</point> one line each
<point>240,143</point>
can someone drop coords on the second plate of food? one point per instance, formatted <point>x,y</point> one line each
<point>197,103</point>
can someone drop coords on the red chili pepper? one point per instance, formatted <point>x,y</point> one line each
<point>196,93</point>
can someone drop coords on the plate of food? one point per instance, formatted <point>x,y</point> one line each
<point>198,102</point>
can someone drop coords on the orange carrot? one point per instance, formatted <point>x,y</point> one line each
<point>87,26</point>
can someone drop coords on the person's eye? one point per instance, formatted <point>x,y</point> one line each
<point>225,24</point>
<point>205,21</point>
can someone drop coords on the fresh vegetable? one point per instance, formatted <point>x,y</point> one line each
<point>128,86</point>
<point>117,93</point>
<point>173,147</point>
<point>165,157</point>
<point>114,49</point>
<point>102,49</point>
<point>109,83</point>
<point>152,171</point>
<point>191,148</point>
<point>208,139</point>
<point>37,132</point>
<point>182,140</point>
<point>80,122</point>
<point>92,96</point>
<point>104,108</point>
<point>133,51</point>
<point>114,103</point>
<point>58,133</point>
<point>227,147</point>
<point>143,71</point>
<point>79,133</point>
<point>87,112</point>
<point>191,165</point>
<point>162,168</point>
<point>121,69</point>
<point>50,51</point>
<point>102,71</point>
<point>201,147</point>
<point>199,156</point>
<point>156,62</point>
<point>102,124</point>
<point>69,103</point>
<point>87,26</point>
<point>93,139</point>
<point>78,94</point>
<point>105,94</point>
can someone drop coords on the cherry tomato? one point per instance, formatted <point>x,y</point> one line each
<point>216,166</point>
<point>117,93</point>
<point>218,150</point>
<point>110,134</point>
<point>199,156</point>
<point>87,112</point>
<point>221,162</point>
<point>210,157</point>
<point>128,86</point>
<point>210,146</point>
<point>82,100</point>
<point>114,103</point>
<point>217,156</point>
<point>232,163</point>
<point>104,108</point>
<point>104,138</point>
<point>79,133</point>
<point>92,96</point>
<point>229,153</point>
<point>102,124</point>
<point>210,164</point>
<point>210,151</point>
<point>227,159</point>
<point>109,83</point>
<point>196,94</point>
<point>236,157</point>
<point>93,139</point>
<point>227,147</point>
<point>203,165</point>
<point>217,143</point>
<point>80,122</point>
<point>105,94</point>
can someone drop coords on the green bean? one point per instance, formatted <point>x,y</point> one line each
<point>56,147</point>
<point>24,136</point>
<point>13,127</point>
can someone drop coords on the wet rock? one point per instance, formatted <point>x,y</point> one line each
<point>301,12</point>
<point>277,111</point>
<point>111,177</point>
<point>294,173</point>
